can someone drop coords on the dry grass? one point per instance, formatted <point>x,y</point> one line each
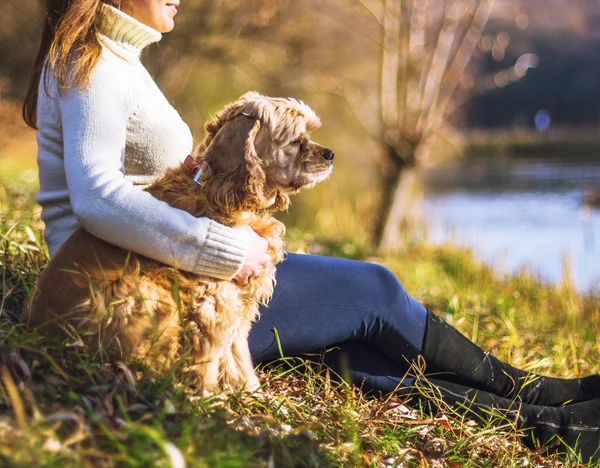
<point>59,406</point>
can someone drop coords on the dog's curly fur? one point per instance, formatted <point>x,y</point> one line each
<point>257,151</point>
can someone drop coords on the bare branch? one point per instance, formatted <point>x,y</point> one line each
<point>439,62</point>
<point>389,64</point>
<point>361,109</point>
<point>336,19</point>
<point>426,63</point>
<point>371,12</point>
<point>496,80</point>
<point>463,57</point>
<point>403,63</point>
<point>416,52</point>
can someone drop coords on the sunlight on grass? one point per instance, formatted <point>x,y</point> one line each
<point>60,407</point>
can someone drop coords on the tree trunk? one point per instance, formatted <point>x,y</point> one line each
<point>394,209</point>
<point>399,191</point>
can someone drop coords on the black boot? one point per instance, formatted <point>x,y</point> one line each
<point>576,426</point>
<point>452,357</point>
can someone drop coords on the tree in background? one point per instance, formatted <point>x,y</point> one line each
<point>404,65</point>
<point>426,46</point>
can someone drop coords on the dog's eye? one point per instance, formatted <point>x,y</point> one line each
<point>297,142</point>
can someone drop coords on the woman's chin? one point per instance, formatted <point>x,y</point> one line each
<point>166,26</point>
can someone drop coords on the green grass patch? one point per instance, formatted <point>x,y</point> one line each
<point>61,407</point>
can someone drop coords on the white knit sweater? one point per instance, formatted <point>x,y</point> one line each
<point>98,147</point>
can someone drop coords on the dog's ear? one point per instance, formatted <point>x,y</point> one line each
<point>234,179</point>
<point>256,176</point>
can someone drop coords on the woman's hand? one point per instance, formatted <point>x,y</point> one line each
<point>256,258</point>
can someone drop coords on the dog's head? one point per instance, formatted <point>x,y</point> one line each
<point>258,151</point>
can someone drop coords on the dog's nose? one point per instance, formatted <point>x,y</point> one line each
<point>328,154</point>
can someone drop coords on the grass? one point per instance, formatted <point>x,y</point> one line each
<point>59,406</point>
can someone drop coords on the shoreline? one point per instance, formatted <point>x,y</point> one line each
<point>560,143</point>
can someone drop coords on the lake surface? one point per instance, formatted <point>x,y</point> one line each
<point>517,212</point>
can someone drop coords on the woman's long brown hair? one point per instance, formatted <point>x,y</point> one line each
<point>69,48</point>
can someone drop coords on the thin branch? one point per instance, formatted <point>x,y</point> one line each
<point>494,80</point>
<point>389,65</point>
<point>416,53</point>
<point>337,20</point>
<point>426,66</point>
<point>362,111</point>
<point>403,63</point>
<point>371,12</point>
<point>463,56</point>
<point>439,62</point>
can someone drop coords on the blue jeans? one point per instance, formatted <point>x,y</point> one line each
<point>359,309</point>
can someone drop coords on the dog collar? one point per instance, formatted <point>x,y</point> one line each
<point>195,171</point>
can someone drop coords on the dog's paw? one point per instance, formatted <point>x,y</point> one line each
<point>252,384</point>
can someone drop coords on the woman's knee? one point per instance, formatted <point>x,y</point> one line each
<point>402,313</point>
<point>384,278</point>
<point>319,301</point>
<point>307,280</point>
<point>383,285</point>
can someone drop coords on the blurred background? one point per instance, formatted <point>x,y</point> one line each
<point>470,120</point>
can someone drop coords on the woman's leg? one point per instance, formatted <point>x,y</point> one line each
<point>322,301</point>
<point>451,356</point>
<point>573,428</point>
<point>367,368</point>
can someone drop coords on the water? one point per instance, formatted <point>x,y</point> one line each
<point>518,212</point>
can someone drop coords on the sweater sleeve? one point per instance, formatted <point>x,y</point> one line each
<point>107,205</point>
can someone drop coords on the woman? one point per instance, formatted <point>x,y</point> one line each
<point>105,130</point>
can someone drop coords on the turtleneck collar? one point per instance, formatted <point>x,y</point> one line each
<point>123,34</point>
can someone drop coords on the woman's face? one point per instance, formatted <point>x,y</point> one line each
<point>158,14</point>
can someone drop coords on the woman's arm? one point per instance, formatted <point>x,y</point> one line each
<point>110,207</point>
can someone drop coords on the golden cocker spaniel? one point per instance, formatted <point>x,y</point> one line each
<point>257,151</point>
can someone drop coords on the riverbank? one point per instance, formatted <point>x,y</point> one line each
<point>582,143</point>
<point>60,407</point>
